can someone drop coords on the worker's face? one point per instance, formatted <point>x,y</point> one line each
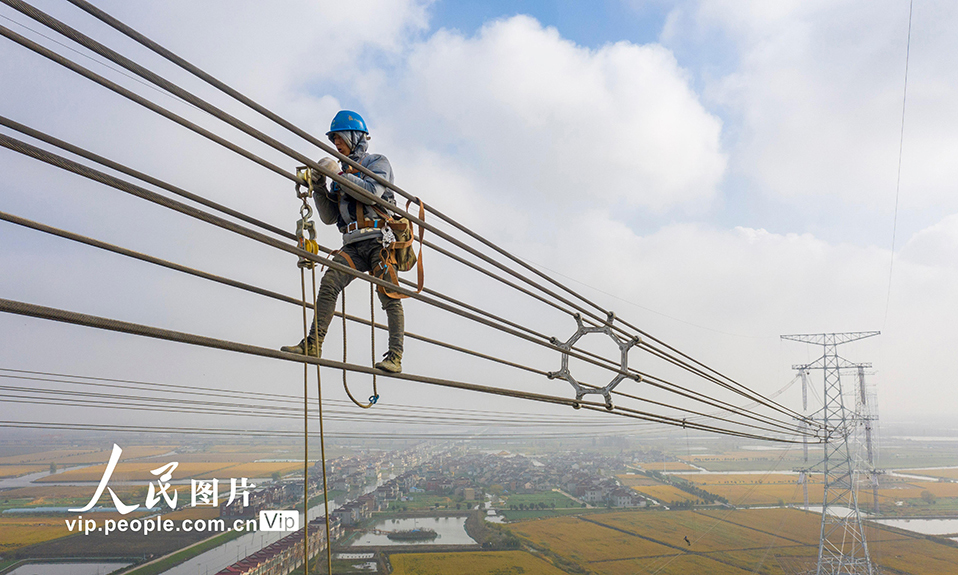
<point>341,144</point>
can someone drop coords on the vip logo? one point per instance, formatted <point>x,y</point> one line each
<point>278,520</point>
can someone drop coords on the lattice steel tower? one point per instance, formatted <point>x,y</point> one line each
<point>842,549</point>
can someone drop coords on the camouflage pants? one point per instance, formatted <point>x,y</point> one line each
<point>365,256</point>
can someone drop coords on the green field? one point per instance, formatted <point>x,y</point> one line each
<point>420,501</point>
<point>550,498</point>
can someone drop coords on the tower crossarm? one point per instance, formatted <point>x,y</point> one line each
<point>820,364</point>
<point>830,338</point>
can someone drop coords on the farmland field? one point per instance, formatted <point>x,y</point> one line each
<point>263,469</point>
<point>138,471</point>
<point>20,531</point>
<point>18,470</point>
<point>733,542</point>
<point>748,460</point>
<point>667,466</point>
<point>46,456</point>
<point>82,456</point>
<point>634,480</point>
<point>749,478</point>
<point>951,473</point>
<point>482,563</point>
<point>664,493</point>
<point>548,497</point>
<point>669,565</point>
<point>584,541</point>
<point>705,533</point>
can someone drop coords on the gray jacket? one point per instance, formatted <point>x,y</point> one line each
<point>338,205</point>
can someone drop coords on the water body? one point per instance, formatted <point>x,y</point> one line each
<point>67,568</point>
<point>451,530</point>
<point>214,560</point>
<point>923,526</point>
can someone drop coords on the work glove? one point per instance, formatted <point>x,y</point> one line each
<point>329,164</point>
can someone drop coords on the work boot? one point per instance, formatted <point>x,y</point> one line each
<point>392,362</point>
<point>314,347</point>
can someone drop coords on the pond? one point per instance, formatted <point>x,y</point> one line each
<point>67,568</point>
<point>451,530</point>
<point>923,526</point>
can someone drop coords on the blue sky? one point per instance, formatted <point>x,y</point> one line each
<point>591,24</point>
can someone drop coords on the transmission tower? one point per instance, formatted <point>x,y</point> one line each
<point>842,549</point>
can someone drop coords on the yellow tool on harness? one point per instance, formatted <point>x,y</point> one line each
<point>305,228</point>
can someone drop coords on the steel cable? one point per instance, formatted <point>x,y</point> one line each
<point>651,379</point>
<point>64,316</point>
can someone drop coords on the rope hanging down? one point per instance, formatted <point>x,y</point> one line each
<point>306,241</point>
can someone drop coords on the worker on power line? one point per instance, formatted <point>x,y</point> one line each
<point>361,224</point>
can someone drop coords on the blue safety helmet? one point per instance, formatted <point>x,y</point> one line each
<point>346,121</point>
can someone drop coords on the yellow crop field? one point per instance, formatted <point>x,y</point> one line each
<point>917,557</point>
<point>45,456</point>
<point>767,494</point>
<point>950,473</point>
<point>910,490</point>
<point>139,471</point>
<point>22,531</point>
<point>664,493</point>
<point>792,524</point>
<point>670,565</point>
<point>16,532</point>
<point>733,542</point>
<point>584,541</point>
<point>739,455</point>
<point>83,456</point>
<point>746,478</point>
<point>49,492</point>
<point>667,466</point>
<point>224,457</point>
<point>477,563</point>
<point>265,469</point>
<point>634,480</point>
<point>706,533</point>
<point>18,470</point>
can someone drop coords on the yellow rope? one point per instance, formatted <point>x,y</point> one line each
<point>306,242</point>
<point>302,277</point>
<point>322,439</point>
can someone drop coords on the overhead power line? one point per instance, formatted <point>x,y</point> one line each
<point>260,291</point>
<point>42,312</point>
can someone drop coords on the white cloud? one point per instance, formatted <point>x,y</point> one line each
<point>817,87</point>
<point>753,283</point>
<point>550,120</point>
<point>934,246</point>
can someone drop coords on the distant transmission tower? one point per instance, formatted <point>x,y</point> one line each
<point>842,549</point>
